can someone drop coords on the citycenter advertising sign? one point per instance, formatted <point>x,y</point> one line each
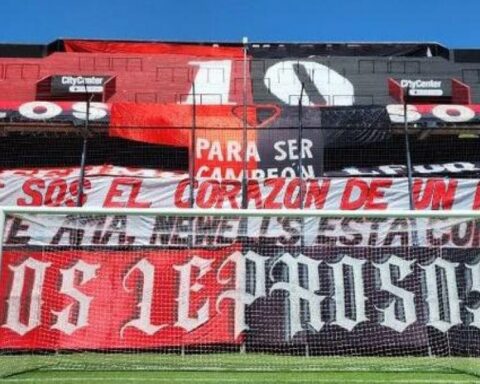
<point>66,84</point>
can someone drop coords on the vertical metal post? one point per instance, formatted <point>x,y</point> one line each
<point>299,141</point>
<point>303,277</point>
<point>243,348</point>
<point>413,221</point>
<point>244,131</point>
<point>193,147</point>
<point>322,162</point>
<point>300,160</point>
<point>191,168</point>
<point>407,150</point>
<point>81,177</point>
<point>191,171</point>
<point>3,217</point>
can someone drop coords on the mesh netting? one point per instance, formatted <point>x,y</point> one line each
<point>248,292</point>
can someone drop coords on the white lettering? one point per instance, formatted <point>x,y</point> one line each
<point>358,292</point>
<point>184,319</point>
<point>475,287</point>
<point>243,295</point>
<point>448,286</point>
<point>143,322</point>
<point>297,292</point>
<point>397,113</point>
<point>96,111</point>
<point>40,110</point>
<point>452,113</point>
<point>88,272</point>
<point>405,298</point>
<point>14,318</point>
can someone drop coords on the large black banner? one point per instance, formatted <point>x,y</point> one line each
<point>366,300</point>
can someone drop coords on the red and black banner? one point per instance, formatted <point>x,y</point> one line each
<point>105,299</point>
<point>335,300</point>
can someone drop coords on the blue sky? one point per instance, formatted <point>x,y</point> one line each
<point>453,23</point>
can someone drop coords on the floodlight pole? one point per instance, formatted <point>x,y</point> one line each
<point>81,177</point>
<point>244,130</point>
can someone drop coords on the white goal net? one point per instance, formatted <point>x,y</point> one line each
<point>249,289</point>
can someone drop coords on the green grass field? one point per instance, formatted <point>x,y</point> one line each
<point>85,368</point>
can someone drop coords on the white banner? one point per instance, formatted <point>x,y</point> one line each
<point>109,186</point>
<point>117,187</point>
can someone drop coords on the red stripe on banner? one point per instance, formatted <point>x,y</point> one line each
<point>112,299</point>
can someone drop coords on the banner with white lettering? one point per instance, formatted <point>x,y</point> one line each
<point>345,301</point>
<point>54,112</point>
<point>116,187</point>
<point>342,301</point>
<point>216,232</point>
<point>67,299</point>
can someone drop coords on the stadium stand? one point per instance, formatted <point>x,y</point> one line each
<point>260,202</point>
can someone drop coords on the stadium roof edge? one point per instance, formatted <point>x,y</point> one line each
<point>30,50</point>
<point>261,42</point>
<point>41,50</point>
